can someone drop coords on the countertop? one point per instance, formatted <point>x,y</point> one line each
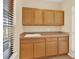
<point>44,34</point>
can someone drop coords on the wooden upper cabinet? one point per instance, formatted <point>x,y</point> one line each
<point>38,19</point>
<point>51,46</point>
<point>59,18</point>
<point>48,16</point>
<point>63,45</point>
<point>32,17</point>
<point>39,47</point>
<point>27,16</point>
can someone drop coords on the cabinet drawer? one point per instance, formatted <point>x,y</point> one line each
<point>23,41</point>
<point>51,39</point>
<point>39,40</point>
<point>64,38</point>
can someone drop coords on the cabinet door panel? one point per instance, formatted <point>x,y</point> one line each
<point>63,45</point>
<point>59,17</point>
<point>27,16</point>
<point>26,50</point>
<point>39,48</point>
<point>48,17</point>
<point>51,46</point>
<point>38,20</point>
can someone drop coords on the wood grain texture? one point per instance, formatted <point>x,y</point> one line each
<point>26,49</point>
<point>39,48</point>
<point>43,47</point>
<point>48,17</point>
<point>38,19</point>
<point>27,16</point>
<point>59,17</point>
<point>63,45</point>
<point>51,46</point>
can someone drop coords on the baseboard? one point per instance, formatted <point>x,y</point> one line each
<point>13,56</point>
<point>71,55</point>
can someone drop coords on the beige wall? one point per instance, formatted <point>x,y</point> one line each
<point>67,6</point>
<point>69,24</point>
<point>43,4</point>
<point>41,28</point>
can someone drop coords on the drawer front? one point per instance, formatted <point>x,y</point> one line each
<point>64,38</point>
<point>39,40</point>
<point>24,41</point>
<point>51,39</point>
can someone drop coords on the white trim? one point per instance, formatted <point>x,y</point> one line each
<point>71,55</point>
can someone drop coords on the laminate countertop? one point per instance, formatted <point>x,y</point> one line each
<point>43,34</point>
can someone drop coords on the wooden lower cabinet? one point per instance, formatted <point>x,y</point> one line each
<point>42,47</point>
<point>51,46</point>
<point>26,51</point>
<point>63,45</point>
<point>39,48</point>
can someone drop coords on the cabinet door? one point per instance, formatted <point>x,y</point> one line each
<point>48,17</point>
<point>59,18</point>
<point>38,20</point>
<point>51,46</point>
<point>26,49</point>
<point>39,48</point>
<point>63,45</point>
<point>27,16</point>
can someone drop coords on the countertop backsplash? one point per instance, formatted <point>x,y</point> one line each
<point>41,28</point>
